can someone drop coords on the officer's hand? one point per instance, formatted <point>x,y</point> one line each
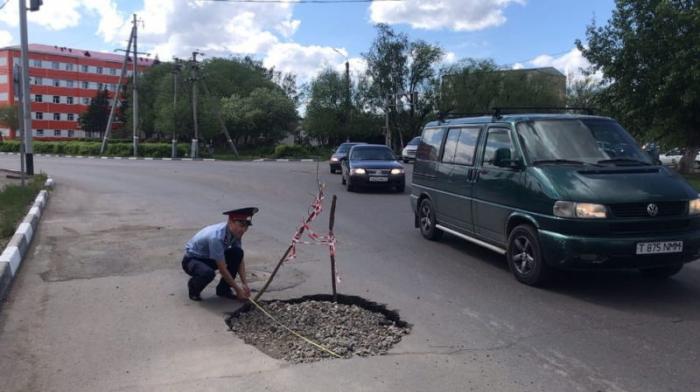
<point>241,293</point>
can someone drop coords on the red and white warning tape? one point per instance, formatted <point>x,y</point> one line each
<point>314,238</point>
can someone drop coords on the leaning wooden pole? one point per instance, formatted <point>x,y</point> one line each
<point>284,257</point>
<point>330,236</point>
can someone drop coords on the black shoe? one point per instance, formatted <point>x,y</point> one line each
<point>226,294</point>
<point>194,295</point>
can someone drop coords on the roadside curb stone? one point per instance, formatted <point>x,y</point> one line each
<point>159,159</point>
<point>16,250</point>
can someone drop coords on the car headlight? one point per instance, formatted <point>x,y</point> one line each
<point>694,207</point>
<point>334,159</point>
<point>570,209</point>
<point>358,171</point>
<point>396,171</point>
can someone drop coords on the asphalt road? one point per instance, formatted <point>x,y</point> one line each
<point>101,303</point>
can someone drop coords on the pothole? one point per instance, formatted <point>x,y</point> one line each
<point>351,327</point>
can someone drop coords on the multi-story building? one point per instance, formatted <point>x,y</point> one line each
<point>62,83</point>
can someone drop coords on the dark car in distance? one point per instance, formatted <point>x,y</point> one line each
<point>372,165</point>
<point>340,153</point>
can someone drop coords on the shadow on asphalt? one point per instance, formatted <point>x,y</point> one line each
<point>624,290</point>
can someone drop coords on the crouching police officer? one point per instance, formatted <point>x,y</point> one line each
<point>218,247</point>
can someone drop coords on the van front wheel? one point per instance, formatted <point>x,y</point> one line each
<point>524,256</point>
<point>426,221</point>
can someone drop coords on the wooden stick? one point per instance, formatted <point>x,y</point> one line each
<point>279,264</point>
<point>330,234</point>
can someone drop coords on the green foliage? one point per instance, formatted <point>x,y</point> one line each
<point>15,200</point>
<point>9,116</point>
<point>400,80</point>
<point>165,101</point>
<point>92,148</point>
<point>648,54</point>
<point>10,146</point>
<point>290,151</point>
<point>94,119</point>
<point>476,86</point>
<point>264,116</point>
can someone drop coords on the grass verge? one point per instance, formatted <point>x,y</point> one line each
<point>15,201</point>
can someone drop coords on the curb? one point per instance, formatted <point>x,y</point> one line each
<point>158,159</point>
<point>17,248</point>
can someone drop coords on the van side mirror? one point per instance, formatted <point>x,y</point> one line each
<point>504,159</point>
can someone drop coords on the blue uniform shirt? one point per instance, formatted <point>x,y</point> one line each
<point>211,242</point>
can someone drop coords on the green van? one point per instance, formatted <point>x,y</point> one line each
<point>554,191</point>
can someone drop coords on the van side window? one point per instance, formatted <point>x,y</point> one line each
<point>448,155</point>
<point>429,148</point>
<point>496,139</point>
<point>466,146</point>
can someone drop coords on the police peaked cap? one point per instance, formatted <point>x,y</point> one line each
<point>242,214</point>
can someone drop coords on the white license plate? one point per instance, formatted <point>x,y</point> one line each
<point>378,179</point>
<point>648,248</point>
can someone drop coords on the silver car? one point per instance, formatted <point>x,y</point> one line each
<point>409,152</point>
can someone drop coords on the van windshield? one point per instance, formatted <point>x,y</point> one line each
<point>591,141</point>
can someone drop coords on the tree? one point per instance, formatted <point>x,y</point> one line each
<point>9,116</point>
<point>328,117</point>
<point>399,74</point>
<point>94,119</point>
<point>583,93</point>
<point>326,110</point>
<point>266,115</point>
<point>217,78</point>
<point>648,54</point>
<point>475,86</point>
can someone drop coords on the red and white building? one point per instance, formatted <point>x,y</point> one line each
<point>62,83</point>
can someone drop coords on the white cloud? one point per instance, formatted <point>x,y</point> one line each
<point>518,66</point>
<point>6,38</point>
<point>458,15</point>
<point>305,61</point>
<point>449,58</point>
<point>570,64</point>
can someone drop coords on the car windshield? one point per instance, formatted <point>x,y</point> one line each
<point>371,154</point>
<point>344,148</point>
<point>414,142</point>
<point>587,141</point>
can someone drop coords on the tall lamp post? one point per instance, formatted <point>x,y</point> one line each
<point>26,122</point>
<point>347,103</point>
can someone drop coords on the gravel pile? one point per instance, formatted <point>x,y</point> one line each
<point>347,330</point>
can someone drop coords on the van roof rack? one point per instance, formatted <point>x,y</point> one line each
<point>498,112</point>
<point>442,116</point>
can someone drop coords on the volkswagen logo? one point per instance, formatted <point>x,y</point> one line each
<point>652,209</point>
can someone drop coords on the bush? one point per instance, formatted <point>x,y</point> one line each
<point>290,151</point>
<point>9,146</point>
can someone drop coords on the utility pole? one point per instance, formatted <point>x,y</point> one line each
<point>17,77</point>
<point>135,109</point>
<point>387,131</point>
<point>194,153</point>
<point>176,71</point>
<point>116,94</point>
<point>26,102</point>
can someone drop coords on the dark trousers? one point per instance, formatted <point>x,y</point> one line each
<point>203,271</point>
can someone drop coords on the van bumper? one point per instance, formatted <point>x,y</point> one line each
<point>580,252</point>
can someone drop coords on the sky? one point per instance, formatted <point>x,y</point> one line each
<point>306,37</point>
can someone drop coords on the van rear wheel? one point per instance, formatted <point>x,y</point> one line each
<point>525,258</point>
<point>426,221</point>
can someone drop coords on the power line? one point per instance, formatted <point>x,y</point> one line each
<point>4,4</point>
